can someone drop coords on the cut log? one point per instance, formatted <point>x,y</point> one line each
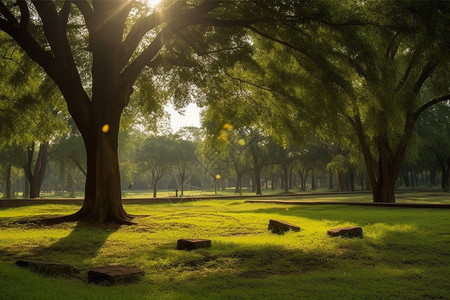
<point>111,275</point>
<point>192,244</point>
<point>349,232</point>
<point>48,268</point>
<point>280,226</point>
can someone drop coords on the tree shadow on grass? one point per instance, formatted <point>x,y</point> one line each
<point>246,261</point>
<point>394,259</point>
<point>343,213</point>
<point>78,248</point>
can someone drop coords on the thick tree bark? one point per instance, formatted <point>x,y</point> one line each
<point>103,202</point>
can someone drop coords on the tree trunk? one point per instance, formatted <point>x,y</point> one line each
<point>26,188</point>
<point>238,189</point>
<point>446,177</point>
<point>257,184</point>
<point>36,177</point>
<point>382,174</point>
<point>182,178</point>
<point>103,201</point>
<point>303,178</point>
<point>155,187</point>
<point>8,181</point>
<point>330,183</point>
<point>286,178</point>
<point>313,182</point>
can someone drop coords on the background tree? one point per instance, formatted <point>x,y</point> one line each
<point>157,157</point>
<point>184,152</point>
<point>27,120</point>
<point>434,128</point>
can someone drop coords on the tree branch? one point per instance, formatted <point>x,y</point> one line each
<point>144,25</point>
<point>429,104</point>
<point>426,73</point>
<point>7,14</point>
<point>190,17</point>
<point>24,14</point>
<point>64,14</point>
<point>86,10</point>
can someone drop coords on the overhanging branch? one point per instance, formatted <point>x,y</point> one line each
<point>429,104</point>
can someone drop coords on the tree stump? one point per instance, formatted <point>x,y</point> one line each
<point>48,268</point>
<point>114,275</point>
<point>281,227</point>
<point>349,232</point>
<point>192,244</point>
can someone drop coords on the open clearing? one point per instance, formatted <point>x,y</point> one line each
<point>404,253</point>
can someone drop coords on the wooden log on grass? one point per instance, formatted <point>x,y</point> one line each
<point>192,244</point>
<point>280,226</point>
<point>111,275</point>
<point>348,232</point>
<point>48,268</point>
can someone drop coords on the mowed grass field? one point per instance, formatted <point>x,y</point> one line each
<point>405,253</point>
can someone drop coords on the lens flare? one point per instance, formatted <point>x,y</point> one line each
<point>227,126</point>
<point>105,128</point>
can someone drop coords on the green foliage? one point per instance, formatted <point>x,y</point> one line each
<point>31,108</point>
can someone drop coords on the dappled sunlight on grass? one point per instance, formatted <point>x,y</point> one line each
<point>402,250</point>
<point>38,210</point>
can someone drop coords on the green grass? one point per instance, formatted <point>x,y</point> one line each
<point>404,253</point>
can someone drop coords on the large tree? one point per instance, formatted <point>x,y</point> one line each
<point>365,69</point>
<point>95,51</point>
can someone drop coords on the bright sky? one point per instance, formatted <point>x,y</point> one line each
<point>191,117</point>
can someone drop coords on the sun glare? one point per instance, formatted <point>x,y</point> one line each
<point>152,3</point>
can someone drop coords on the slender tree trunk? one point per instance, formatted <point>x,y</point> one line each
<point>286,178</point>
<point>257,184</point>
<point>8,181</point>
<point>238,189</point>
<point>313,182</point>
<point>70,185</point>
<point>182,178</point>
<point>446,176</point>
<point>432,177</point>
<point>155,187</point>
<point>36,177</point>
<point>26,188</point>
<point>330,184</point>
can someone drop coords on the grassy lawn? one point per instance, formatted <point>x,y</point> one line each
<point>405,253</point>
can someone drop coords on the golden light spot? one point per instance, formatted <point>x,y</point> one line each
<point>241,142</point>
<point>105,128</point>
<point>227,126</point>
<point>218,176</point>
<point>223,137</point>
